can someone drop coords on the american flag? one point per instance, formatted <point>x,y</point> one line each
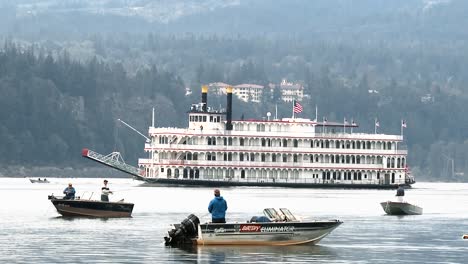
<point>297,108</point>
<point>403,123</point>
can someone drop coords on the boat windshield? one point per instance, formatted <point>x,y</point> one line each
<point>289,216</point>
<point>274,215</point>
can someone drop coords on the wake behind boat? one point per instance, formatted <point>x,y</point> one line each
<point>278,228</point>
<point>91,208</point>
<point>401,208</point>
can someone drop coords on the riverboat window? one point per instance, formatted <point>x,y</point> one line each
<point>225,141</point>
<point>197,174</point>
<point>295,158</point>
<point>242,174</point>
<point>402,162</point>
<point>316,158</point>
<point>204,118</point>
<point>353,159</point>
<point>241,141</point>
<point>263,142</point>
<point>358,145</point>
<point>333,159</point>
<point>176,173</point>
<point>273,157</point>
<point>252,157</point>
<point>348,144</point>
<point>211,118</point>
<point>327,144</point>
<point>162,169</point>
<point>263,157</point>
<point>168,173</point>
<point>285,158</point>
<point>211,141</point>
<point>388,163</point>
<point>358,160</point>
<point>285,143</point>
<point>368,145</point>
<point>295,143</point>
<point>378,175</point>
<point>227,156</point>
<point>241,156</point>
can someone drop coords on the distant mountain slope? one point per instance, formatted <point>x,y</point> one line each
<point>336,18</point>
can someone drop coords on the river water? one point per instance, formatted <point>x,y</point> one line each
<point>31,231</point>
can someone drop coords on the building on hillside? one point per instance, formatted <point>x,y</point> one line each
<point>248,92</point>
<point>291,91</point>
<point>217,88</point>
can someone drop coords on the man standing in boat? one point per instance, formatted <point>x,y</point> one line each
<point>69,192</point>
<point>217,208</point>
<point>105,191</point>
<point>400,193</point>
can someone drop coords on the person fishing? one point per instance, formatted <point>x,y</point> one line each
<point>105,191</point>
<point>69,192</point>
<point>400,193</point>
<point>217,208</point>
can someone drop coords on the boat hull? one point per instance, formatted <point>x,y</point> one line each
<point>273,234</point>
<point>401,208</point>
<point>213,183</point>
<point>89,208</point>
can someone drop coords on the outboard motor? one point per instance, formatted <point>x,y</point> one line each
<point>184,233</point>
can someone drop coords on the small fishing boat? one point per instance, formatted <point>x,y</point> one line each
<point>39,180</point>
<point>91,208</point>
<point>401,208</point>
<point>276,228</point>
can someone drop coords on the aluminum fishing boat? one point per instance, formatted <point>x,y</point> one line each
<point>401,208</point>
<point>277,228</point>
<point>91,208</point>
<point>39,180</point>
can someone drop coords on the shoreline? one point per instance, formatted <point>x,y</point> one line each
<point>16,171</point>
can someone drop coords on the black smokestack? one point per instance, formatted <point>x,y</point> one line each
<point>204,100</point>
<point>229,109</point>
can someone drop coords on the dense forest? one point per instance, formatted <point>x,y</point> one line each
<point>62,92</point>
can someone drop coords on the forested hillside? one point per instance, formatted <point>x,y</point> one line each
<point>68,73</point>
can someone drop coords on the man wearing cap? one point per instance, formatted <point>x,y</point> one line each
<point>217,208</point>
<point>105,192</point>
<point>69,192</point>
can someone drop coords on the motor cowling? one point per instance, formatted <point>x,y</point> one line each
<point>184,233</point>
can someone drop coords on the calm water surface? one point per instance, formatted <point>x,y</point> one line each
<point>31,231</point>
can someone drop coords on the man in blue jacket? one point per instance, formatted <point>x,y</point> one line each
<point>69,192</point>
<point>217,208</point>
